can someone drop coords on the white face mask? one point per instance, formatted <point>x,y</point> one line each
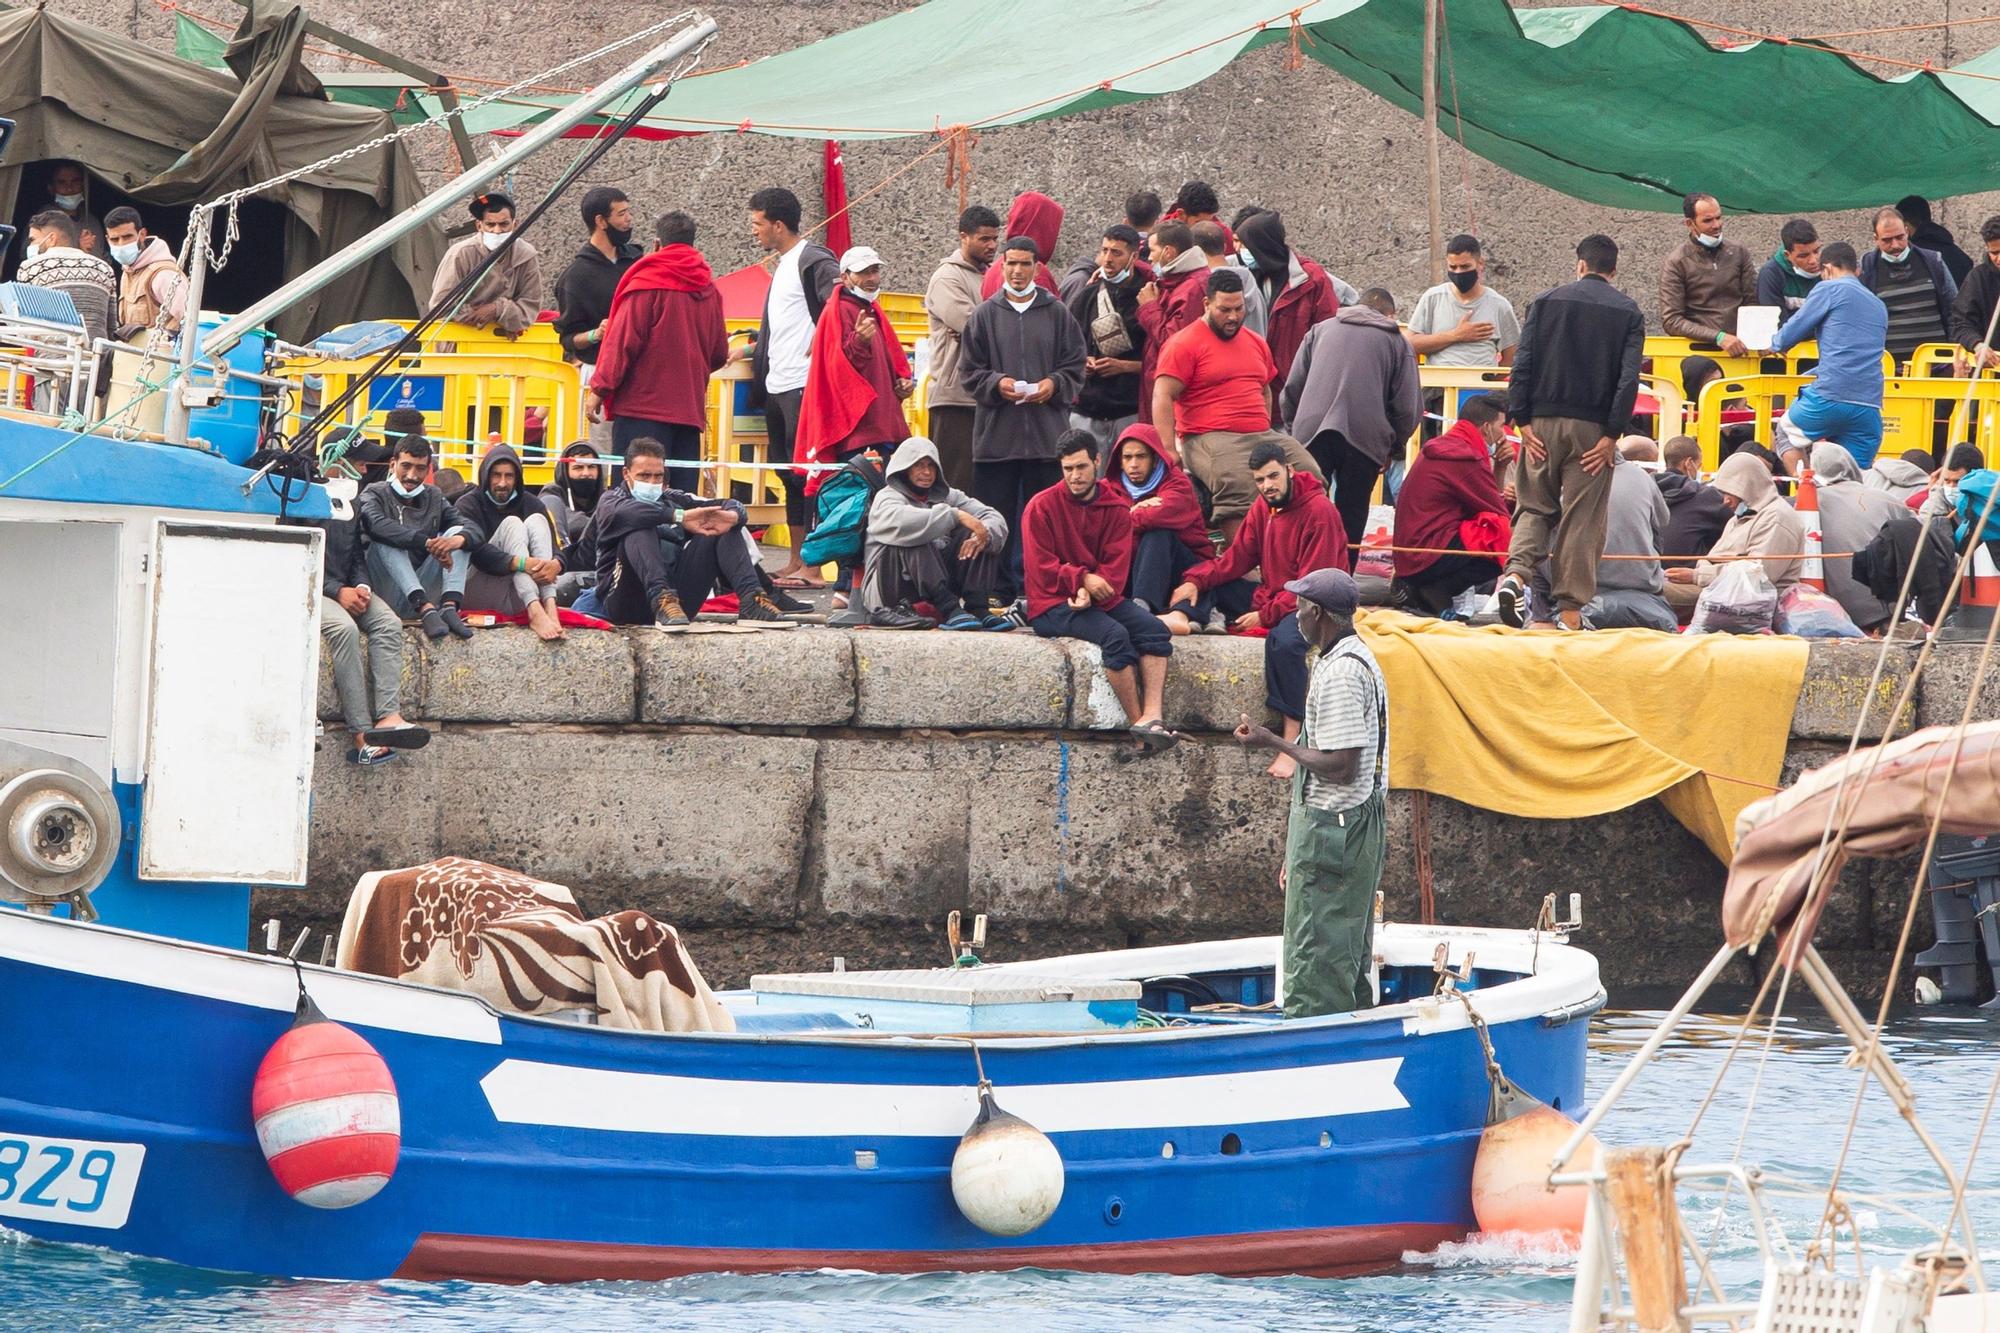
<point>67,202</point>
<point>126,253</point>
<point>868,294</point>
<point>1018,293</point>
<point>31,252</point>
<point>1706,241</point>
<point>493,240</point>
<point>1901,258</point>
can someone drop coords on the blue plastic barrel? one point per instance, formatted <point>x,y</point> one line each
<point>230,426</point>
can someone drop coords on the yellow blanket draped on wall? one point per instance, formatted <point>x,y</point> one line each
<point>1562,726</point>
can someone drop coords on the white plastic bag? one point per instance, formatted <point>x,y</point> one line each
<point>1741,600</point>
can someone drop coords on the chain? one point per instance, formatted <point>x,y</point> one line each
<point>432,122</point>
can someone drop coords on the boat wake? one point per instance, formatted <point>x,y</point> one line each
<point>1507,1249</point>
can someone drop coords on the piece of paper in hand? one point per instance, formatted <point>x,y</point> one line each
<point>1757,326</point>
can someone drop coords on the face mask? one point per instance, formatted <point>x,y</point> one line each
<point>649,491</point>
<point>1018,293</point>
<point>493,240</point>
<point>1950,489</point>
<point>31,252</point>
<point>1249,260</point>
<point>1465,281</point>
<point>1707,242</point>
<point>1115,278</point>
<point>1902,258</point>
<point>867,295</point>
<point>618,235</point>
<point>411,493</point>
<point>125,254</point>
<point>69,201</point>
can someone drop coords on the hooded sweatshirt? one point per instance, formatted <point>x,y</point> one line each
<point>1039,218</point>
<point>1183,289</point>
<point>1031,345</point>
<point>902,515</point>
<point>1292,538</point>
<point>1896,477</point>
<point>1764,523</point>
<point>571,501</point>
<point>1696,515</point>
<point>1850,515</point>
<point>1783,286</point>
<point>1634,518</point>
<point>1178,509</point>
<point>151,281</point>
<point>1450,482</point>
<point>1107,313</point>
<point>949,301</point>
<point>479,511</point>
<point>666,337</point>
<point>407,522</point>
<point>1298,291</point>
<point>1063,538</point>
<point>1355,374</point>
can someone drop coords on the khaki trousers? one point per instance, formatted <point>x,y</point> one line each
<point>1555,490</point>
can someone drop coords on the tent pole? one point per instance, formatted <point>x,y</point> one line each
<point>1432,177</point>
<point>175,427</point>
<point>232,330</point>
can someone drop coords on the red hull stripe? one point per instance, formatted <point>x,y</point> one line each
<point>1321,1252</point>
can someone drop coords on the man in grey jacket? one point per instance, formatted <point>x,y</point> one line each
<point>1631,593</point>
<point>949,301</point>
<point>1850,514</point>
<point>1354,400</point>
<point>418,545</point>
<point>930,542</point>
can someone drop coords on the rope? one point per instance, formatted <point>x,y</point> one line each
<point>1464,153</point>
<point>1717,559</point>
<point>1420,834</point>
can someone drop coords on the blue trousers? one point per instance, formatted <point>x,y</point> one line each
<point>1126,632</point>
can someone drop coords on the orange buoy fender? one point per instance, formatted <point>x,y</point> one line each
<point>327,1114</point>
<point>1510,1174</point>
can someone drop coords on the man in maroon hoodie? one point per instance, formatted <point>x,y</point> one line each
<point>664,338</point>
<point>1171,301</point>
<point>1076,549</point>
<point>1294,531</point>
<point>1169,534</point>
<point>1449,485</point>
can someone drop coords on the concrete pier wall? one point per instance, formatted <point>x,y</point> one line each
<point>788,797</point>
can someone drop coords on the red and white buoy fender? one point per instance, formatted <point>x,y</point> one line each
<point>327,1114</point>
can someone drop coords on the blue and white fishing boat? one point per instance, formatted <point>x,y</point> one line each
<point>156,747</point>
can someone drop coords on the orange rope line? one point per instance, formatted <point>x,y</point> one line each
<point>1717,559</point>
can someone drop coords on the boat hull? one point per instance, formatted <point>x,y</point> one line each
<point>535,1150</point>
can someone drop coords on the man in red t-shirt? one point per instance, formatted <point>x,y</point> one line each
<point>1212,402</point>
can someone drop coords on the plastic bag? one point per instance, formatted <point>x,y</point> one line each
<point>1740,601</point>
<point>1812,614</point>
<point>1378,563</point>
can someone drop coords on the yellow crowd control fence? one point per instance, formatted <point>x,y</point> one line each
<point>1918,411</point>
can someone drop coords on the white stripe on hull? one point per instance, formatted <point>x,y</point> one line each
<point>533,1093</point>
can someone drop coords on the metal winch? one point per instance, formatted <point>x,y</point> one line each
<point>59,832</point>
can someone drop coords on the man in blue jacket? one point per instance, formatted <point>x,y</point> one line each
<point>1844,401</point>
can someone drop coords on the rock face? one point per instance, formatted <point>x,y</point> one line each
<point>1344,167</point>
<point>787,797</point>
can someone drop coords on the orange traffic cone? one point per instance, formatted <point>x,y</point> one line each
<point>1813,573</point>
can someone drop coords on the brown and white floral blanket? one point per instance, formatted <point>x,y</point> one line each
<point>524,947</point>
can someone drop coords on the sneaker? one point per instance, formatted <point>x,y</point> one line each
<point>434,626</point>
<point>453,621</point>
<point>963,620</point>
<point>667,612</point>
<point>996,622</point>
<point>900,617</point>
<point>369,756</point>
<point>1017,614</point>
<point>1511,594</point>
<point>758,608</point>
<point>783,600</point>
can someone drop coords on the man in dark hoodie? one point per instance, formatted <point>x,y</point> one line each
<point>570,498</point>
<point>928,541</point>
<point>1354,400</point>
<point>1021,358</point>
<point>1978,297</point>
<point>1169,534</point>
<point>1290,532</point>
<point>583,292</point>
<point>1931,235</point>
<point>660,551</point>
<point>1077,545</point>
<point>518,556</point>
<point>1107,310</point>
<point>417,542</point>
<point>665,337</point>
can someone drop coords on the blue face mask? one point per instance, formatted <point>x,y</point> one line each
<point>1249,260</point>
<point>649,491</point>
<point>396,485</point>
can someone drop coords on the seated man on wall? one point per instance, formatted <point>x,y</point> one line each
<point>518,558</point>
<point>417,542</point>
<point>928,542</point>
<point>1291,531</point>
<point>1076,553</point>
<point>1450,485</point>
<point>1631,589</point>
<point>660,551</point>
<point>1169,534</point>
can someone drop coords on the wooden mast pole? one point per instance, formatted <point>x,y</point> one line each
<point>1433,178</point>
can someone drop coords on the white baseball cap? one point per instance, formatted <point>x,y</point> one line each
<point>858,259</point>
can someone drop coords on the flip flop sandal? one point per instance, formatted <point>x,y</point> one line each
<point>398,738</point>
<point>796,582</point>
<point>1154,736</point>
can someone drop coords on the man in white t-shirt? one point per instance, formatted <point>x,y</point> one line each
<point>805,277</point>
<point>1462,321</point>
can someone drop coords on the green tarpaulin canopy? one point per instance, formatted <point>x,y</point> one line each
<point>398,94</point>
<point>1615,107</point>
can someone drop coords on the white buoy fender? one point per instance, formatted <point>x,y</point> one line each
<point>1006,1176</point>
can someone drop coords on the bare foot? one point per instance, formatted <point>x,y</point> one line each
<point>544,622</point>
<point>1282,768</point>
<point>1177,622</point>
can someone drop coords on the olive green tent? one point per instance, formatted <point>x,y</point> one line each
<point>169,132</point>
<point>1606,104</point>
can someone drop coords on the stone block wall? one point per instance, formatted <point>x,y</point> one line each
<point>790,796</point>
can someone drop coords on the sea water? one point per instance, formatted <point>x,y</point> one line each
<point>1804,1106</point>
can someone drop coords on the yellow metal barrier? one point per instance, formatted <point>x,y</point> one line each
<point>1458,383</point>
<point>1913,407</point>
<point>1938,360</point>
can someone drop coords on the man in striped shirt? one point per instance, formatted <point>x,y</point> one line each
<point>1334,842</point>
<point>1913,284</point>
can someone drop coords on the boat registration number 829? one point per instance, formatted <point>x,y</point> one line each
<point>72,1181</point>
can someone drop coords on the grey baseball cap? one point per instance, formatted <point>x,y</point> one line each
<point>1331,589</point>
